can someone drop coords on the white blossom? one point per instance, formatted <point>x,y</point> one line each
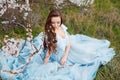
<point>58,3</point>
<point>11,47</point>
<point>29,38</point>
<point>82,2</point>
<point>25,15</point>
<point>5,4</point>
<point>5,22</point>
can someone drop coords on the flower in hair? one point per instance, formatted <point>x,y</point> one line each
<point>53,31</point>
<point>48,30</point>
<point>53,39</point>
<point>48,42</point>
<point>50,27</point>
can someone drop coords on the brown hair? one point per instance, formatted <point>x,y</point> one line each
<point>50,35</point>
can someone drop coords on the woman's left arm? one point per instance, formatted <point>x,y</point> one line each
<point>64,58</point>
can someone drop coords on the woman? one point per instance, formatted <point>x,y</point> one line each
<point>57,40</point>
<point>53,30</point>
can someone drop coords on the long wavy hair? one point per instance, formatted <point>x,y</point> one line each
<point>50,35</point>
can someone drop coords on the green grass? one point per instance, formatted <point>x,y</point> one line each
<point>102,20</point>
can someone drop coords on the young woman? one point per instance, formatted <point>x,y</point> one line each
<point>55,34</point>
<point>63,47</point>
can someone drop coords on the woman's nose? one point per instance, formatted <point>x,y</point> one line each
<point>56,25</point>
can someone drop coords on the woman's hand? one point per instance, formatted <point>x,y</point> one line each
<point>47,56</point>
<point>46,60</point>
<point>63,60</point>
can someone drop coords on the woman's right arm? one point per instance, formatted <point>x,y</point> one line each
<point>47,56</point>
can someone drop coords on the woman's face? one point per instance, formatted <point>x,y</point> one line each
<point>56,22</point>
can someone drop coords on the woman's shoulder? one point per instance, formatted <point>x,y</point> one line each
<point>64,27</point>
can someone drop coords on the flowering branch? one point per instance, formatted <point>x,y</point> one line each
<point>12,45</point>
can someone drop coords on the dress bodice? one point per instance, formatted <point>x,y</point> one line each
<point>61,44</point>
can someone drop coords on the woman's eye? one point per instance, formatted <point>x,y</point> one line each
<point>58,22</point>
<point>52,22</point>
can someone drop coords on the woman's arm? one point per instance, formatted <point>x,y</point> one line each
<point>64,58</point>
<point>47,56</point>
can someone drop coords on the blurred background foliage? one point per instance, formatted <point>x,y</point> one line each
<point>100,20</point>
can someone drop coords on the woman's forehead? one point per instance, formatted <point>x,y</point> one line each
<point>54,19</point>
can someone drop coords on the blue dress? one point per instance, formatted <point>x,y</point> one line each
<point>85,57</point>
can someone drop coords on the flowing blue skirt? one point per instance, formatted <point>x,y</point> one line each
<point>85,57</point>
